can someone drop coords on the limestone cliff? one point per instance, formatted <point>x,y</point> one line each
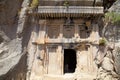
<point>111,33</point>
<point>13,48</point>
<point>17,33</point>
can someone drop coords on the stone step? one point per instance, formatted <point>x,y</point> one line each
<point>65,77</point>
<point>70,77</point>
<point>59,77</point>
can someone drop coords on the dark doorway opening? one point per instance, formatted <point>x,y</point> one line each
<point>69,60</point>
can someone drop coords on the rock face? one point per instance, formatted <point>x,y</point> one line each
<point>17,48</point>
<point>111,34</point>
<point>115,7</point>
<point>115,29</point>
<point>13,49</point>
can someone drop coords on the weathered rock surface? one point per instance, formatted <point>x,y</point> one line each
<point>10,54</point>
<point>17,52</point>
<point>115,7</point>
<point>13,51</point>
<point>111,34</point>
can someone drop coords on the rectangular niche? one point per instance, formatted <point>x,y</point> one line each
<point>53,31</point>
<point>84,31</point>
<point>68,31</point>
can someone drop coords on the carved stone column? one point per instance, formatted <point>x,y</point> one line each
<point>77,71</point>
<point>59,58</point>
<point>61,31</point>
<point>94,37</point>
<point>76,31</point>
<point>94,49</point>
<point>42,32</point>
<point>35,31</point>
<point>38,61</point>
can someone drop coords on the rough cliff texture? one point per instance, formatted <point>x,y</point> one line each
<point>111,33</point>
<point>115,7</point>
<point>114,31</point>
<point>13,51</point>
<point>17,33</point>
